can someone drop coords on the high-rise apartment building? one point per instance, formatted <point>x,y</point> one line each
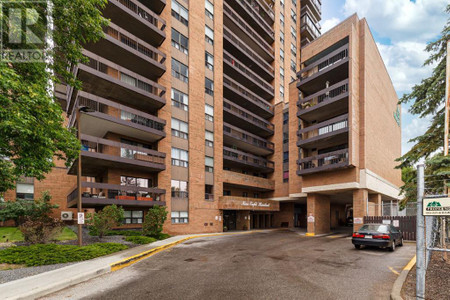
<point>195,105</point>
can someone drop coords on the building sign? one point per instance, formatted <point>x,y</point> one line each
<point>358,220</point>
<point>386,222</point>
<point>436,206</point>
<point>397,116</point>
<point>311,219</point>
<point>244,203</point>
<point>396,223</point>
<point>80,218</point>
<point>255,204</point>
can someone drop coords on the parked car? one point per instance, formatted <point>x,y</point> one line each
<point>378,235</point>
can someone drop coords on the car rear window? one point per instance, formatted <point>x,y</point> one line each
<point>375,227</point>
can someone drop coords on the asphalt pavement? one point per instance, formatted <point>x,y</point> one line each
<point>264,265</point>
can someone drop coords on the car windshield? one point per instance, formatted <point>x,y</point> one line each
<point>375,227</point>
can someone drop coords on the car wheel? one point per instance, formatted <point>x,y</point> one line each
<point>401,242</point>
<point>358,247</point>
<point>392,248</point>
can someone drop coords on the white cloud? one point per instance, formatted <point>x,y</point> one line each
<point>401,20</point>
<point>412,129</point>
<point>328,24</point>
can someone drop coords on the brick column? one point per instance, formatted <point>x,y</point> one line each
<point>359,205</point>
<point>318,206</point>
<point>375,199</point>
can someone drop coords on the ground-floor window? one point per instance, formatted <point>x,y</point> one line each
<point>179,217</point>
<point>133,217</point>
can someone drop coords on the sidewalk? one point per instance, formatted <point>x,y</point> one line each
<point>45,283</point>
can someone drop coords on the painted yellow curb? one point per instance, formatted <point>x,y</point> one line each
<point>310,234</point>
<point>135,258</point>
<point>411,264</point>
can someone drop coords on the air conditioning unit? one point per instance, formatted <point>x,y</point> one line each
<point>66,215</point>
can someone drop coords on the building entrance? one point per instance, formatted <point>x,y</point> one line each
<point>261,220</point>
<point>229,219</point>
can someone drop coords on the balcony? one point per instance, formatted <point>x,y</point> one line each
<point>156,5</point>
<point>246,141</point>
<point>98,154</point>
<point>248,56</point>
<point>240,180</point>
<point>108,116</point>
<point>122,47</point>
<point>234,114</point>
<point>335,98</point>
<point>233,157</point>
<point>236,24</point>
<point>136,18</point>
<point>258,14</point>
<point>97,194</point>
<point>315,8</point>
<point>323,162</point>
<point>108,80</point>
<point>238,94</point>
<point>309,28</point>
<point>332,67</point>
<point>325,134</point>
<point>235,69</point>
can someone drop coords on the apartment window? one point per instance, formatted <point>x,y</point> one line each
<point>209,9</point>
<point>226,193</point>
<point>282,38</point>
<point>209,86</point>
<point>180,100</point>
<point>209,112</point>
<point>25,191</point>
<point>180,13</point>
<point>209,194</point>
<point>209,138</point>
<point>244,194</point>
<point>285,117</point>
<point>293,49</point>
<point>285,176</point>
<point>209,61</point>
<point>179,217</point>
<point>281,91</point>
<point>282,19</point>
<point>130,153</point>
<point>293,66</point>
<point>180,129</point>
<point>128,79</point>
<point>286,156</point>
<point>133,217</point>
<point>180,42</point>
<point>293,16</point>
<point>285,138</point>
<point>180,70</point>
<point>209,35</point>
<point>281,54</point>
<point>209,164</point>
<point>179,189</point>
<point>294,33</point>
<point>135,181</point>
<point>255,195</point>
<point>282,3</point>
<point>180,157</point>
<point>282,74</point>
<point>294,2</point>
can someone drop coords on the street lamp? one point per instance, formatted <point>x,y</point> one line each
<point>79,205</point>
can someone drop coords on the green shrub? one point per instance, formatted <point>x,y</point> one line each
<point>140,239</point>
<point>48,254</point>
<point>163,236</point>
<point>154,220</point>
<point>93,232</point>
<point>103,221</point>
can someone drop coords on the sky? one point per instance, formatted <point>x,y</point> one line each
<point>401,29</point>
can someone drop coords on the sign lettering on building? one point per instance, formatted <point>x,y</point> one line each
<point>397,116</point>
<point>255,204</point>
<point>436,206</point>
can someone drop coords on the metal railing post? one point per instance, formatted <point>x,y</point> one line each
<point>420,242</point>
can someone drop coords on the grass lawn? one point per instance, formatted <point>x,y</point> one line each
<point>13,234</point>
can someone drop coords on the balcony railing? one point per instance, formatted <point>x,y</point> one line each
<point>133,42</point>
<point>102,192</point>
<point>143,12</point>
<point>244,69</point>
<point>249,30</point>
<point>121,150</point>
<point>307,23</point>
<point>248,51</point>
<point>233,85</point>
<point>325,95</point>
<point>116,110</point>
<point>127,77</point>
<point>324,63</point>
<point>262,17</point>
<point>247,158</point>
<point>324,128</point>
<point>247,137</point>
<point>323,161</point>
<point>248,116</point>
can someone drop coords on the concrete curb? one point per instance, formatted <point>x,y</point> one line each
<point>39,285</point>
<point>398,284</point>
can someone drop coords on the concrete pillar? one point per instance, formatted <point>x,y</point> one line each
<point>360,198</point>
<point>318,206</point>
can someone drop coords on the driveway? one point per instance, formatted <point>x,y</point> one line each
<point>278,264</point>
